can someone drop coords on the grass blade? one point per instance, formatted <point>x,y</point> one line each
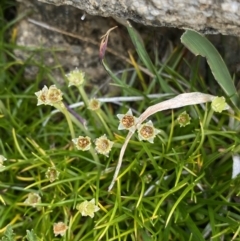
<point>197,235</point>
<point>143,55</point>
<point>199,45</point>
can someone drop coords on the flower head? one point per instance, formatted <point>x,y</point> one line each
<point>2,159</point>
<point>103,145</point>
<point>127,121</point>
<point>52,174</point>
<point>87,208</point>
<point>184,119</point>
<point>94,104</point>
<point>59,228</point>
<point>147,132</point>
<point>219,104</point>
<point>33,199</point>
<point>76,77</point>
<point>82,143</point>
<point>54,95</point>
<point>147,178</point>
<point>49,96</point>
<point>42,96</point>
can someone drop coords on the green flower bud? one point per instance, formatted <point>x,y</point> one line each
<point>219,104</point>
<point>76,77</point>
<point>52,174</point>
<point>94,104</point>
<point>147,178</point>
<point>87,208</point>
<point>33,199</point>
<point>184,119</point>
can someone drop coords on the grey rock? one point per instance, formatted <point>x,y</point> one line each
<point>46,51</point>
<point>207,16</point>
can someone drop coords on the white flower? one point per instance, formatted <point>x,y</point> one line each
<point>94,104</point>
<point>82,143</point>
<point>147,132</point>
<point>54,95</point>
<point>59,228</point>
<point>2,159</point>
<point>49,96</point>
<point>127,121</point>
<point>87,208</point>
<point>42,96</point>
<point>33,199</point>
<point>103,145</point>
<point>52,174</point>
<point>76,77</point>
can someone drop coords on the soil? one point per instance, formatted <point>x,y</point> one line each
<point>62,53</point>
<point>69,52</point>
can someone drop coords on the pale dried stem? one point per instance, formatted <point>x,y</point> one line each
<point>181,100</point>
<point>108,32</point>
<point>176,102</point>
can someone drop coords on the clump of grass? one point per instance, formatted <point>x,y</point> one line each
<point>175,182</point>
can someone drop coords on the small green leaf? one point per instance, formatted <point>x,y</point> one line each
<point>31,236</point>
<point>8,235</point>
<point>145,236</point>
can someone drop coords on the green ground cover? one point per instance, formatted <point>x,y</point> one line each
<point>176,178</point>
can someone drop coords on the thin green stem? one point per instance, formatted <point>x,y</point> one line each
<point>100,114</point>
<point>63,109</point>
<point>95,156</point>
<point>17,144</point>
<point>208,118</point>
<point>80,125</point>
<point>171,132</point>
<point>83,95</point>
<point>70,118</point>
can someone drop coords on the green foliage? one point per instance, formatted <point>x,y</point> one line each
<point>9,234</point>
<point>143,55</point>
<point>200,45</point>
<point>31,236</point>
<point>177,188</point>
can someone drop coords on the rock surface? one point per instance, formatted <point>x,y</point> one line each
<point>46,51</point>
<point>207,16</point>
